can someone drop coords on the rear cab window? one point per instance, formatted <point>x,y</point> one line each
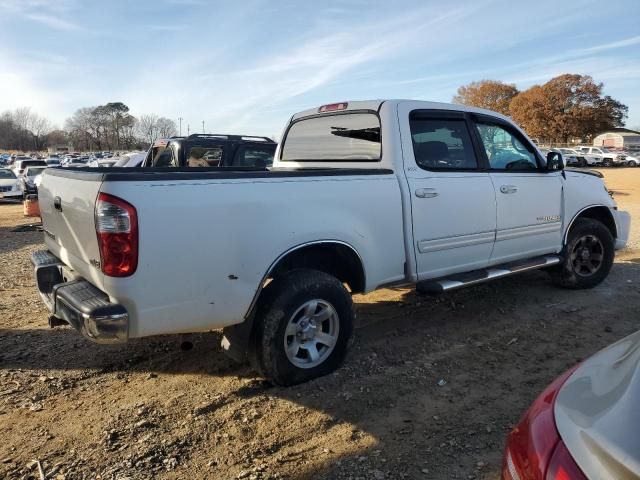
<point>344,137</point>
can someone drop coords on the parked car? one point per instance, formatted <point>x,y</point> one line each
<point>77,162</point>
<point>603,156</point>
<point>101,162</point>
<point>9,184</point>
<point>52,161</point>
<point>211,150</point>
<point>364,194</point>
<point>574,157</point>
<point>22,163</point>
<point>28,180</point>
<point>631,159</point>
<point>585,424</point>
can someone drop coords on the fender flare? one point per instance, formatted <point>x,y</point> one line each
<point>580,212</point>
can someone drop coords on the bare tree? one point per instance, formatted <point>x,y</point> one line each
<point>166,127</point>
<point>146,127</point>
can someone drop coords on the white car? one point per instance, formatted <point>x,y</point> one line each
<point>603,156</point>
<point>631,160</point>
<point>574,157</point>
<point>10,185</point>
<point>21,164</point>
<point>361,195</point>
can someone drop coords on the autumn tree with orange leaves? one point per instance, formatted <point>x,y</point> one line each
<point>489,94</point>
<point>567,106</point>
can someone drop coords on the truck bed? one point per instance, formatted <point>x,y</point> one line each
<point>208,236</point>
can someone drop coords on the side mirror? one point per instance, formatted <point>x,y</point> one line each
<point>555,161</point>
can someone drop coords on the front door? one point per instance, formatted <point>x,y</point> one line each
<point>452,200</point>
<point>528,197</point>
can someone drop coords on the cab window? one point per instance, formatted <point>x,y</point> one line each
<point>442,144</point>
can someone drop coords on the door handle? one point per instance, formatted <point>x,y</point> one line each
<point>57,203</point>
<point>426,193</point>
<point>508,189</point>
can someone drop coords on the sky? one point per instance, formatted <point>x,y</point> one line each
<point>246,66</point>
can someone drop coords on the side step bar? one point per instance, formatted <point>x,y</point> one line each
<point>460,280</point>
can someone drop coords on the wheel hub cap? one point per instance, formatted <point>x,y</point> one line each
<point>587,255</point>
<point>311,333</point>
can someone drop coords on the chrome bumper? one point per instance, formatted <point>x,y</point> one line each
<point>78,302</point>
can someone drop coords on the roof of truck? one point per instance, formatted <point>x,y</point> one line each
<point>376,104</point>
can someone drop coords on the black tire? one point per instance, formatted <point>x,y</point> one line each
<point>576,269</point>
<point>631,163</point>
<point>607,162</point>
<point>583,163</point>
<point>278,306</point>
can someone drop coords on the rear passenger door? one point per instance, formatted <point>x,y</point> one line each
<point>452,198</point>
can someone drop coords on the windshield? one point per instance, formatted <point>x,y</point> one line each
<point>7,175</point>
<point>347,137</point>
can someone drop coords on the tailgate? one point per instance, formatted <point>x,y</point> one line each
<point>67,200</point>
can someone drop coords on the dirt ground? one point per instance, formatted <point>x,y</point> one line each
<point>152,410</point>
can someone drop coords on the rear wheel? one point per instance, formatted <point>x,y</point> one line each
<point>582,163</point>
<point>304,324</point>
<point>587,256</point>
<point>607,162</point>
<point>631,163</point>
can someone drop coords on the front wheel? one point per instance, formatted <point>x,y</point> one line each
<point>631,163</point>
<point>607,162</point>
<point>304,324</point>
<point>587,256</point>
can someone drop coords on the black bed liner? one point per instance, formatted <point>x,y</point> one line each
<point>124,174</point>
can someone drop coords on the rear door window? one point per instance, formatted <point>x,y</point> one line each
<point>259,156</point>
<point>350,137</point>
<point>442,144</point>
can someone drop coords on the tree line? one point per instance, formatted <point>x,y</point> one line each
<point>103,127</point>
<point>568,106</point>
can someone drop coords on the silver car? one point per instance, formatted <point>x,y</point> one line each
<point>585,425</point>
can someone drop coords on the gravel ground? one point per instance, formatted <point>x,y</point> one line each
<point>429,390</point>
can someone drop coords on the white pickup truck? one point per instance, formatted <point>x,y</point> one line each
<point>361,195</point>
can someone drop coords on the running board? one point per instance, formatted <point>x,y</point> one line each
<point>460,280</point>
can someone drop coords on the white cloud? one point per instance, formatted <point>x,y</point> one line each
<point>53,22</point>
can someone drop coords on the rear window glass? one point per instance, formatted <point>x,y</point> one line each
<point>350,137</point>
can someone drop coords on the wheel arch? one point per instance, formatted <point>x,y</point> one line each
<point>602,213</point>
<point>335,257</point>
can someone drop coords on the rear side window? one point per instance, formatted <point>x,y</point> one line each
<point>259,156</point>
<point>351,137</point>
<point>205,156</point>
<point>442,144</point>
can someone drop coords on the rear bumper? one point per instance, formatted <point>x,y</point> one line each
<point>78,302</point>
<point>623,225</point>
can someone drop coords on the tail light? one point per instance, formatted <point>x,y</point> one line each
<point>534,449</point>
<point>117,231</point>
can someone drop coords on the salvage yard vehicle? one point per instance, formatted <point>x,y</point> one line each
<point>362,195</point>
<point>10,186</point>
<point>27,180</point>
<point>211,150</point>
<point>603,156</point>
<point>585,424</point>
